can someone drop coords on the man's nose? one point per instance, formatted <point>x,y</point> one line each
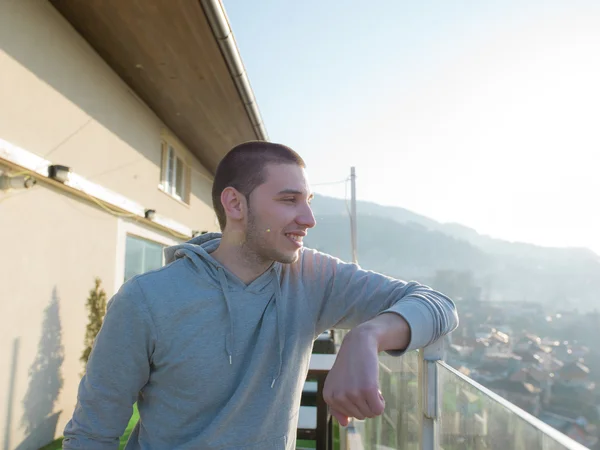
<point>306,218</point>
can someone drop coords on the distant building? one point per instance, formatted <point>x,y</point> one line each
<point>525,395</point>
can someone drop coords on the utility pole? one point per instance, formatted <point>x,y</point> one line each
<point>353,215</point>
<point>349,433</point>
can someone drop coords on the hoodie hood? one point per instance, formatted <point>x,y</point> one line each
<point>198,251</point>
<point>203,244</point>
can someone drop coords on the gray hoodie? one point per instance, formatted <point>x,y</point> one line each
<point>214,363</point>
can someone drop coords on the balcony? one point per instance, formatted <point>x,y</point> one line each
<point>430,405</point>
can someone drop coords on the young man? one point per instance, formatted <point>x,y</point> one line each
<point>215,346</point>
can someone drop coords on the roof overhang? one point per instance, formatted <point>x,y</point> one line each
<point>180,58</point>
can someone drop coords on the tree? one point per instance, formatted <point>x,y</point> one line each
<point>96,306</point>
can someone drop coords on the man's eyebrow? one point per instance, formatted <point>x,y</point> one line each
<point>290,192</point>
<point>295,192</point>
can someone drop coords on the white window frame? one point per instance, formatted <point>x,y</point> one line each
<point>126,227</point>
<point>171,160</point>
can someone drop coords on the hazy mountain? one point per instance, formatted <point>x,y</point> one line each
<point>401,243</point>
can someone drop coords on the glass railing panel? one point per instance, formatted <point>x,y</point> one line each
<point>399,426</point>
<point>474,418</point>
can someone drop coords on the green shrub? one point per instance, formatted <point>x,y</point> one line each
<point>96,307</point>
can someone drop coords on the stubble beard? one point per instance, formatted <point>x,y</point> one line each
<point>257,248</point>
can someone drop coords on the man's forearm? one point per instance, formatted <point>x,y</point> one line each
<point>352,388</point>
<point>388,331</point>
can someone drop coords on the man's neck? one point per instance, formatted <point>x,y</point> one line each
<point>236,258</point>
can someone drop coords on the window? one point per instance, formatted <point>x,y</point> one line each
<point>142,255</point>
<point>175,179</point>
<point>139,249</point>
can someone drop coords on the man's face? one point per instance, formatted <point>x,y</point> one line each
<point>279,214</point>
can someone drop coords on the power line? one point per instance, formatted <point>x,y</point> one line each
<point>331,182</point>
<point>346,198</point>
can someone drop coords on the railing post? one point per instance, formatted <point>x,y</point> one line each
<point>343,438</point>
<point>338,337</point>
<point>430,398</point>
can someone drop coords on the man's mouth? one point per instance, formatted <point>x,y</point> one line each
<point>296,237</point>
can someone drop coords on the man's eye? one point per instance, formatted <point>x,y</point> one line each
<point>290,199</point>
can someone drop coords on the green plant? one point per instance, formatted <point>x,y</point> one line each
<point>96,307</point>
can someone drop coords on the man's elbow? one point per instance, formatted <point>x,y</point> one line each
<point>440,301</point>
<point>454,320</point>
<point>451,320</point>
<point>447,313</point>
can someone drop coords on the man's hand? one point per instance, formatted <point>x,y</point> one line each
<point>352,386</point>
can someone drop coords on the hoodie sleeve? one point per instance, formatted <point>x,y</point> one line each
<point>346,295</point>
<point>117,369</point>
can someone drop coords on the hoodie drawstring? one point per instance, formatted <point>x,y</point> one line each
<point>229,337</point>
<point>229,340</point>
<point>280,322</point>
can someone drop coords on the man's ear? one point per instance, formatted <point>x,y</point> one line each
<point>234,204</point>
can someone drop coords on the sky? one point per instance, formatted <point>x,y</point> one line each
<point>484,113</point>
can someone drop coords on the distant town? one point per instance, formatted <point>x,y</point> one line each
<point>542,359</point>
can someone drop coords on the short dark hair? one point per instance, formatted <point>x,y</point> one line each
<point>243,167</point>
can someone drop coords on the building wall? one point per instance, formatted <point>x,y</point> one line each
<point>58,99</point>
<point>53,246</point>
<point>61,101</point>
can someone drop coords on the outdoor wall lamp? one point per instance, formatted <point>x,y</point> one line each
<point>59,173</point>
<point>150,214</point>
